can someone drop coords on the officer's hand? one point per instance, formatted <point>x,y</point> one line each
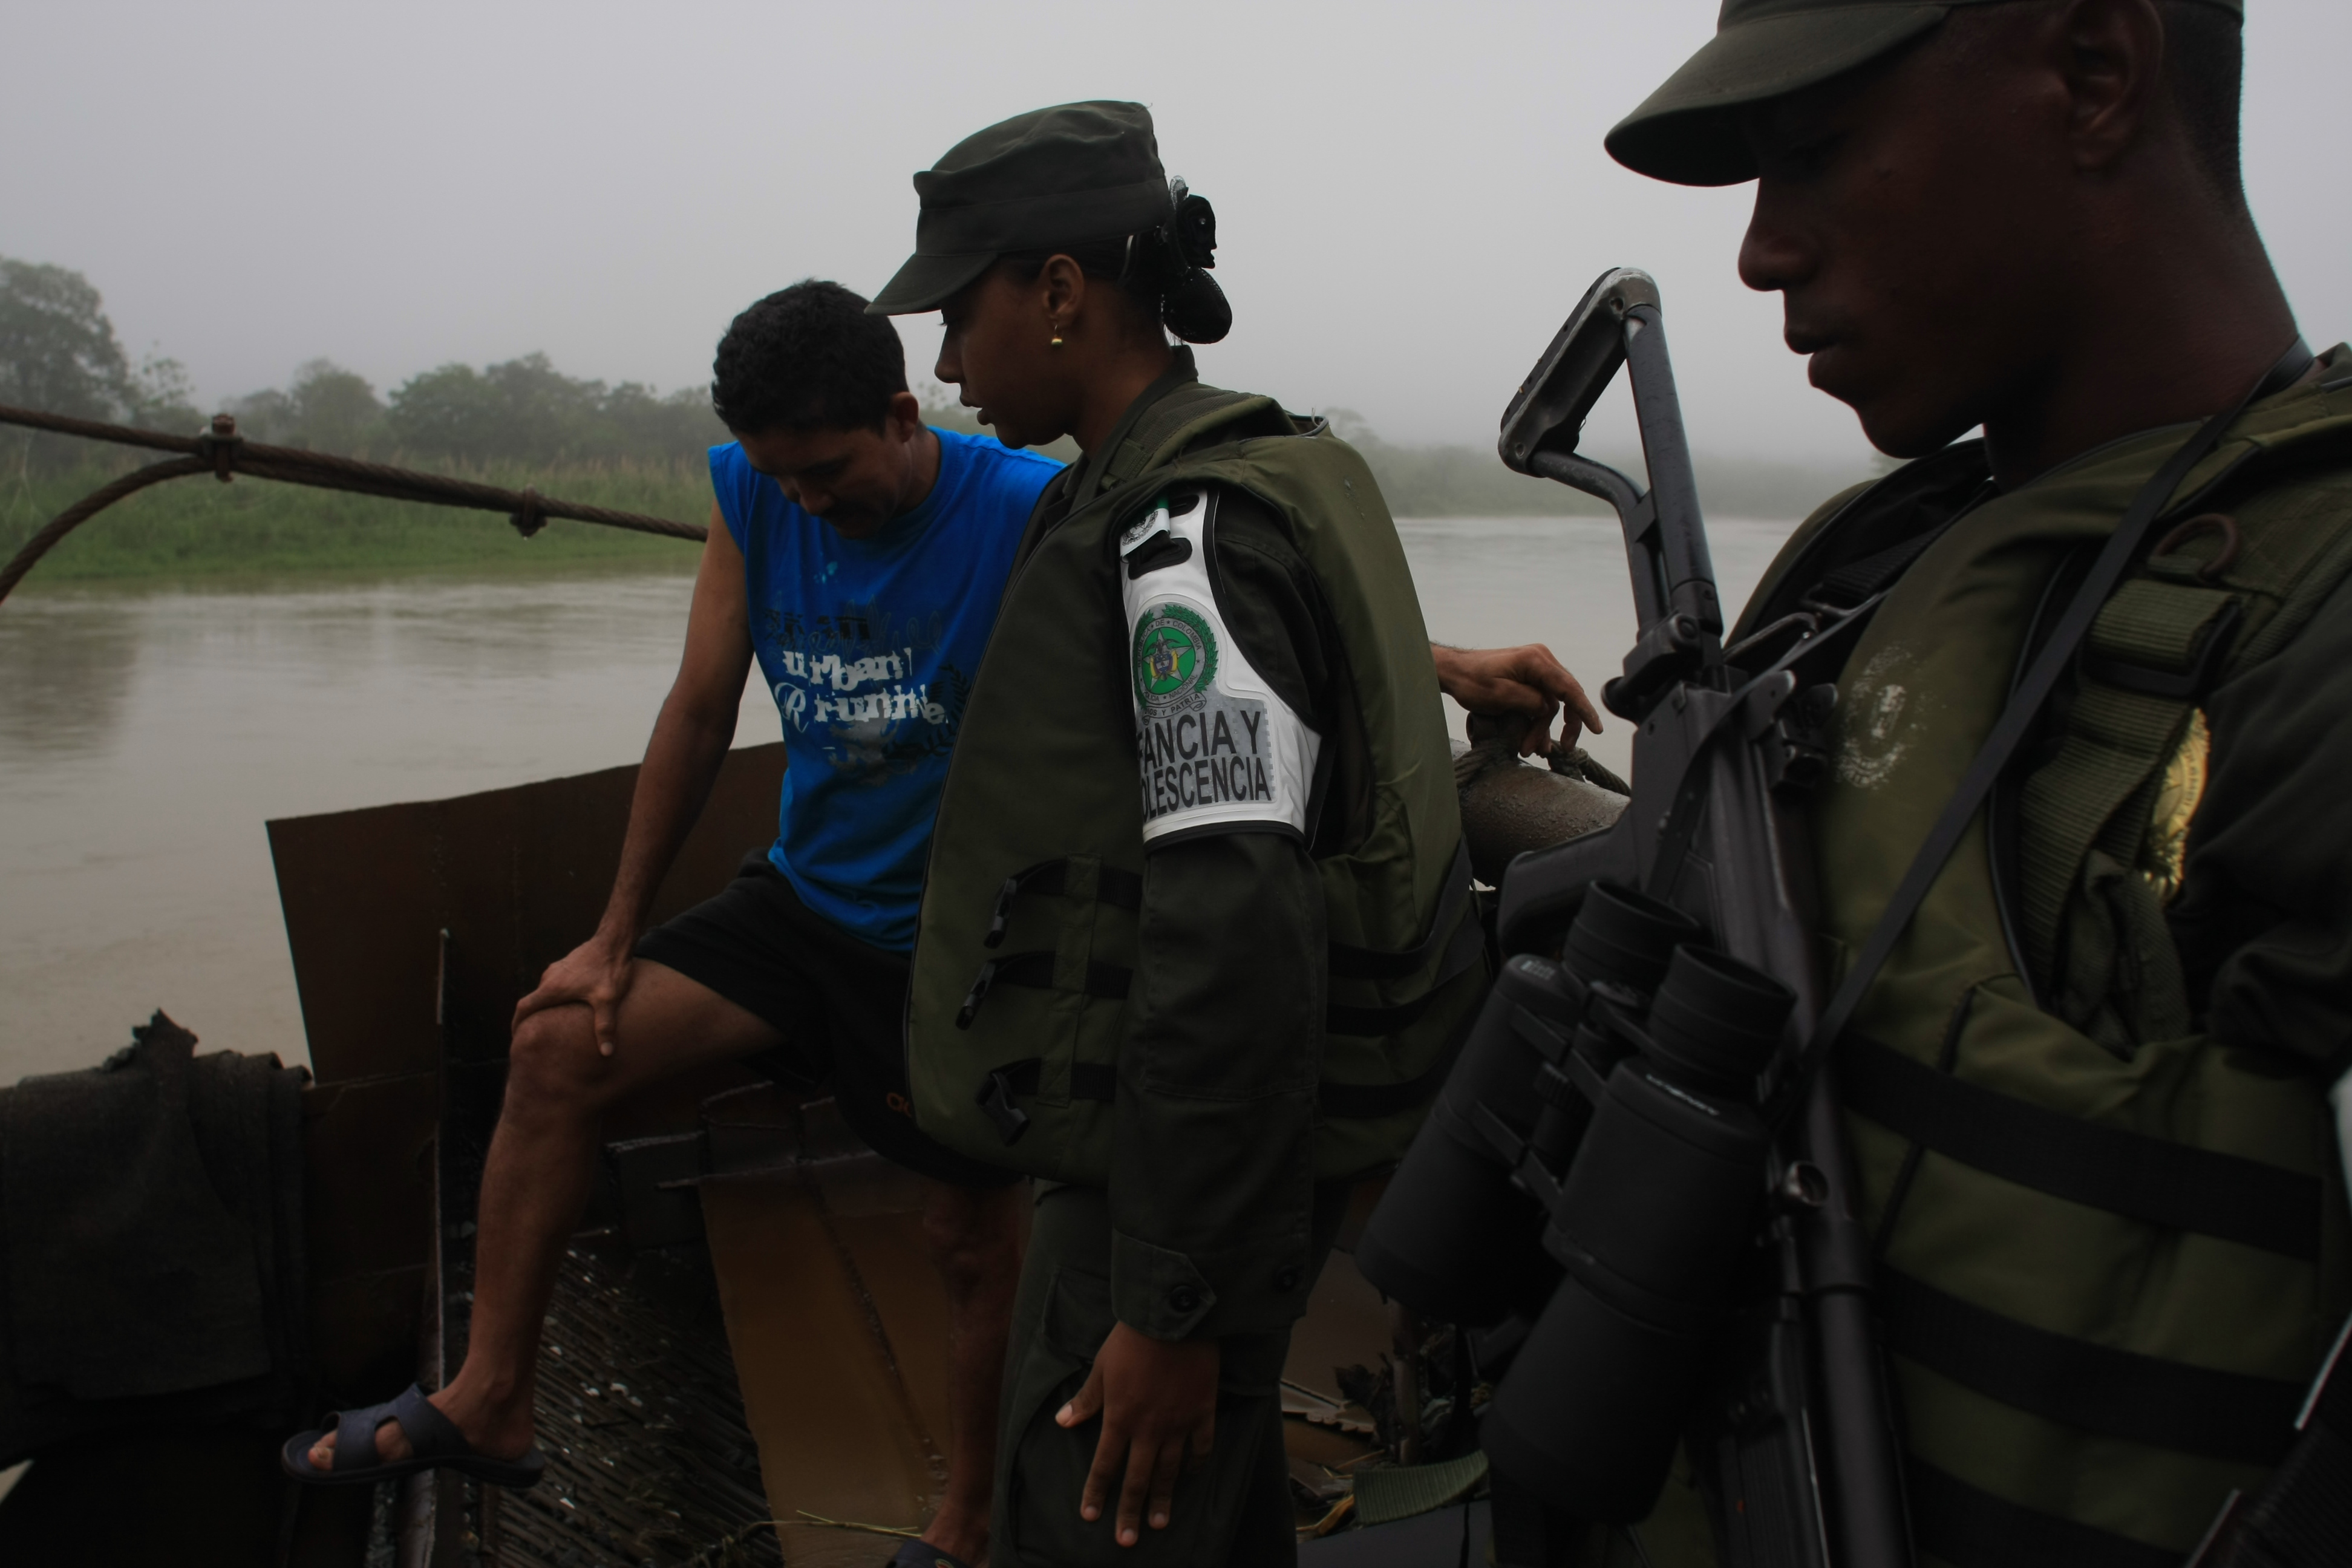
<point>1158,1400</point>
<point>1528,681</point>
<point>597,973</point>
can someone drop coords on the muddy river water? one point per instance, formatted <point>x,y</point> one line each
<point>146,736</point>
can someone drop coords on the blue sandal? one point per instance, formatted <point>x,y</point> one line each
<point>434,1441</point>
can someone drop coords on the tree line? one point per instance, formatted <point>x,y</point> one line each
<point>59,352</point>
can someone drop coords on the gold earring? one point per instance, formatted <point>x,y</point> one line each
<point>1057,332</point>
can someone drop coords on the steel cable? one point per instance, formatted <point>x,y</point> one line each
<point>224,453</point>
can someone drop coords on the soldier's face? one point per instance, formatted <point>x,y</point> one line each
<point>1915,219</point>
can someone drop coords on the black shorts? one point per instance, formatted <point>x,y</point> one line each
<point>839,1003</point>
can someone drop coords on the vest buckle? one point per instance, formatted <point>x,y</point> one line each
<point>996,1097</point>
<point>1002,916</point>
<point>2189,685</point>
<point>976,995</point>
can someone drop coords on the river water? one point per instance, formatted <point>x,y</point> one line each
<point>146,737</point>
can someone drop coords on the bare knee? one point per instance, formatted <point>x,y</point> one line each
<point>554,1066</point>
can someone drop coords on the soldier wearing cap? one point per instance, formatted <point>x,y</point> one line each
<point>1196,941</point>
<point>2089,1092</point>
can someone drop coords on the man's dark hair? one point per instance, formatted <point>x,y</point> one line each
<point>2204,68</point>
<point>2204,71</point>
<point>807,358</point>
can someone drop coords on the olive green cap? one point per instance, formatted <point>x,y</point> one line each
<point>1688,130</point>
<point>1051,176</point>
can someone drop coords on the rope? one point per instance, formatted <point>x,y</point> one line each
<point>222,452</point>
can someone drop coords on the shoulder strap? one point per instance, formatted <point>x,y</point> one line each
<point>1178,420</point>
<point>2121,549</point>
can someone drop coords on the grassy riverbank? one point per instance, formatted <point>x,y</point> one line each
<point>198,527</point>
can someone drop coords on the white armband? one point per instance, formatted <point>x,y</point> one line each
<point>1214,746</point>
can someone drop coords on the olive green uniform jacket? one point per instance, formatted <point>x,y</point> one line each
<point>2136,970</point>
<point>1278,1011</point>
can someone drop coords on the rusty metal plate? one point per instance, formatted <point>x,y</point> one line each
<point>517,876</point>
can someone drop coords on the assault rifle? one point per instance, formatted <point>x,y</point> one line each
<point>1712,1287</point>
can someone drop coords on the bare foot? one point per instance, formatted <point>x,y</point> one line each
<point>497,1434</point>
<point>962,1535</point>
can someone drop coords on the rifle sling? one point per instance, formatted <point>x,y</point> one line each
<point>2302,1518</point>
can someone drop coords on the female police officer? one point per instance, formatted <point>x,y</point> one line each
<point>1196,939</point>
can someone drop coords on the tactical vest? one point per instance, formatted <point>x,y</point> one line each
<point>1026,942</point>
<point>2113,1249</point>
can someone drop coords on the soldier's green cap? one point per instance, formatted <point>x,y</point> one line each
<point>1053,176</point>
<point>1688,130</point>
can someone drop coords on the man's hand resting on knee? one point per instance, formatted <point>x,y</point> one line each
<point>597,973</point>
<point>1158,1400</point>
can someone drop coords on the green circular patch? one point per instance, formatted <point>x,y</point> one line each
<point>1175,655</point>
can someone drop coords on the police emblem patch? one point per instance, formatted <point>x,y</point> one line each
<point>1175,658</point>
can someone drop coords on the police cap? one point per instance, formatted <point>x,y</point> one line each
<point>1055,176</point>
<point>1688,130</point>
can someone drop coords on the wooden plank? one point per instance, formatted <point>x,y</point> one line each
<point>517,876</point>
<point>839,1433</point>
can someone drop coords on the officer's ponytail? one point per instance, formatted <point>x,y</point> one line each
<point>1164,269</point>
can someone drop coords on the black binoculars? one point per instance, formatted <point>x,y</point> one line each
<point>1596,1161</point>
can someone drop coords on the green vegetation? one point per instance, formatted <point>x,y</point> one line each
<point>198,527</point>
<point>520,423</point>
<point>1471,481</point>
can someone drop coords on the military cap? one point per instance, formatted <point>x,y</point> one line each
<point>1688,130</point>
<point>1051,176</point>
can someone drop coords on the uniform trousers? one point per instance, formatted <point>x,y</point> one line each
<point>1233,1510</point>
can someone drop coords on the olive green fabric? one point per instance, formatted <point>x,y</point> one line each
<point>2084,862</point>
<point>1044,769</point>
<point>1224,1109</point>
<point>1920,691</point>
<point>2262,923</point>
<point>1384,1496</point>
<point>1211,1173</point>
<point>1688,130</point>
<point>1053,176</point>
<point>1234,1509</point>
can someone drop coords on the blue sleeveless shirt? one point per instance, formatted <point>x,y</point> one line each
<point>870,646</point>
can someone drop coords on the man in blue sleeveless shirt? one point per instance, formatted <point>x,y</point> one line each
<point>859,556</point>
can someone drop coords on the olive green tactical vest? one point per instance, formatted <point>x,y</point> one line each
<point>2113,1249</point>
<point>1026,940</point>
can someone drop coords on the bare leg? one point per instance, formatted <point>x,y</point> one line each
<point>535,1181</point>
<point>975,1234</point>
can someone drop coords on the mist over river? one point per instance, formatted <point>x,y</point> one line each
<point>147,735</point>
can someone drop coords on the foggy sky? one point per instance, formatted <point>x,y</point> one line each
<point>1410,197</point>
